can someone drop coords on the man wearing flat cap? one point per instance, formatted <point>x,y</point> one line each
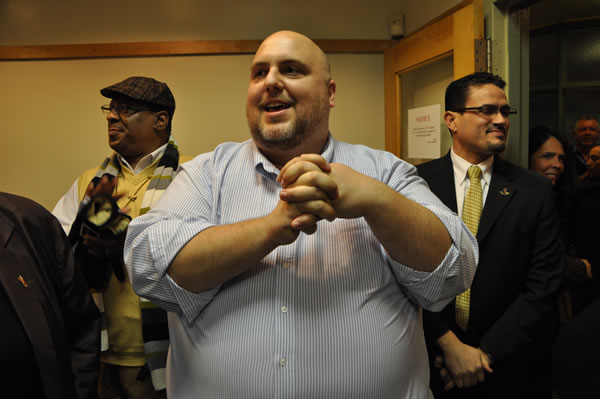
<point>143,162</point>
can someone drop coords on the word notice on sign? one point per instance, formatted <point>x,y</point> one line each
<point>424,132</point>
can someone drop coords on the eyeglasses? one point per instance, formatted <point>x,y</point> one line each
<point>122,109</point>
<point>490,110</point>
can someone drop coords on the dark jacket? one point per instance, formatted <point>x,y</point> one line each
<point>513,295</point>
<point>52,300</point>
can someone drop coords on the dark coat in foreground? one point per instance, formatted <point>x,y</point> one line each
<point>50,298</point>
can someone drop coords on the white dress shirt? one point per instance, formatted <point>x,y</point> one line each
<point>330,315</point>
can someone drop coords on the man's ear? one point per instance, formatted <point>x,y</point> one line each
<point>450,119</point>
<point>331,86</point>
<point>161,120</point>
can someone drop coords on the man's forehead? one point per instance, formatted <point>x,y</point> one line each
<point>286,46</point>
<point>278,59</point>
<point>486,91</point>
<point>587,122</point>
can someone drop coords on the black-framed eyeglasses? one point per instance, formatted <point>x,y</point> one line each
<point>123,109</point>
<point>490,110</point>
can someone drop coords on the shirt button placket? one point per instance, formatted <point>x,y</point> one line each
<point>284,298</point>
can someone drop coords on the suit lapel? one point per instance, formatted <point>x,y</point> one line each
<point>444,183</point>
<point>502,190</point>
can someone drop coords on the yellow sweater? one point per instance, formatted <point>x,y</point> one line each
<point>121,304</point>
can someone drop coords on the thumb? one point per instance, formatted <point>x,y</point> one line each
<point>485,362</point>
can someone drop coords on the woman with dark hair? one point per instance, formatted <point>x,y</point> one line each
<point>548,156</point>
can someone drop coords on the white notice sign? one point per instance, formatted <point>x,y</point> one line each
<point>424,132</point>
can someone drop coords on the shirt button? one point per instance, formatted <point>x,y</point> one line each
<point>286,265</point>
<point>284,309</point>
<point>282,362</point>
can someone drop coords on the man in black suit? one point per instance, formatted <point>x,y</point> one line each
<point>50,346</point>
<point>502,347</point>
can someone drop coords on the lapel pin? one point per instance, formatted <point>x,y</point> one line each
<point>504,191</point>
<point>22,281</point>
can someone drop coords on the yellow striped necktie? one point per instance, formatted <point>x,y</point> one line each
<point>470,215</point>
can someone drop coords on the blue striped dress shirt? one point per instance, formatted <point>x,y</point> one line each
<point>331,315</point>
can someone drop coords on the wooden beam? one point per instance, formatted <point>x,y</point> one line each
<point>467,27</point>
<point>354,46</point>
<point>429,44</point>
<point>197,47</point>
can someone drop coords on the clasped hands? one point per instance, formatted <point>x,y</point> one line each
<point>462,366</point>
<point>313,189</point>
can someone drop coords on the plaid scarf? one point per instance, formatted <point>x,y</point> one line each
<point>154,319</point>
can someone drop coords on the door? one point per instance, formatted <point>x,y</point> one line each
<point>418,68</point>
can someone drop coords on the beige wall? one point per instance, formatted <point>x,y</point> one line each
<point>53,128</point>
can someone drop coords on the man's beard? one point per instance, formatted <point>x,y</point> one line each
<point>288,135</point>
<point>497,148</point>
<point>279,137</point>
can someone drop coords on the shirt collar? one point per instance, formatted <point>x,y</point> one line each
<point>146,160</point>
<point>461,166</point>
<point>262,163</point>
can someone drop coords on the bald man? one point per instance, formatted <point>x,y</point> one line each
<point>295,265</point>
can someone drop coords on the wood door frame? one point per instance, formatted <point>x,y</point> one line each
<point>452,33</point>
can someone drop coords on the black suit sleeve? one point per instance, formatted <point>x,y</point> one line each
<point>81,318</point>
<point>526,316</point>
<point>435,325</point>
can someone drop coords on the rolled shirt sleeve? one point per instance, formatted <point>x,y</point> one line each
<point>154,239</point>
<point>433,290</point>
